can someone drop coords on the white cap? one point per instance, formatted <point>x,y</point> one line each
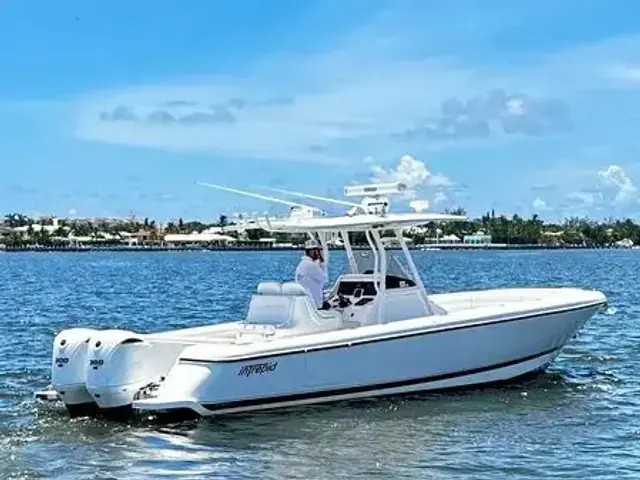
<point>309,244</point>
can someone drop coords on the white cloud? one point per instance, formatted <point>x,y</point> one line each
<point>337,100</point>
<point>416,176</point>
<point>615,178</point>
<point>409,171</point>
<point>369,89</point>
<point>607,191</point>
<point>389,103</point>
<point>515,106</point>
<point>539,204</point>
<point>496,112</point>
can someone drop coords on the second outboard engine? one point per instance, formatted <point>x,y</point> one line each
<point>120,362</point>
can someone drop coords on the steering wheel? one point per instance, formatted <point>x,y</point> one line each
<point>343,302</point>
<point>339,301</point>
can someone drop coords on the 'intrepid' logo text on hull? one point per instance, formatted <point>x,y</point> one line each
<point>257,369</point>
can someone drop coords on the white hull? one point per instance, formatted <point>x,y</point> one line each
<point>481,337</point>
<point>433,360</point>
<point>499,374</point>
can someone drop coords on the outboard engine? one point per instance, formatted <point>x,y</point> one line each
<point>120,362</point>
<point>68,370</point>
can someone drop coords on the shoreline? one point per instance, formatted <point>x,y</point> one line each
<point>87,249</point>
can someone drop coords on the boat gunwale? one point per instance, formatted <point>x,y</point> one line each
<point>397,336</point>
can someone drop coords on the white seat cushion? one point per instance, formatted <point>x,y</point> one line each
<point>269,288</point>
<point>270,310</point>
<point>292,288</point>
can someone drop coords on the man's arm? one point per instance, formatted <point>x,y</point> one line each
<point>318,272</point>
<point>325,272</point>
<point>323,268</point>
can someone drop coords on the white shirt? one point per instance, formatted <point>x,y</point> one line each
<point>312,276</point>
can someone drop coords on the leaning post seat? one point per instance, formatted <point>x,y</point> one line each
<point>269,307</point>
<point>287,305</point>
<point>287,288</point>
<point>293,288</point>
<point>274,304</point>
<point>269,288</point>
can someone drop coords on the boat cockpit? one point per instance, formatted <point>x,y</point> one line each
<point>377,288</point>
<point>360,289</point>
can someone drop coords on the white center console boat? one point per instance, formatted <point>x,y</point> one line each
<point>384,334</point>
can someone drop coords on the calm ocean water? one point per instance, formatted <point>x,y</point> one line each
<point>580,419</point>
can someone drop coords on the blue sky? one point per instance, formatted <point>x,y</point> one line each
<point>117,107</point>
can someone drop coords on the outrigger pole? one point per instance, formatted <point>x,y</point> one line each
<point>258,196</point>
<point>317,197</point>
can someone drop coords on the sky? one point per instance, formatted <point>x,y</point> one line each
<point>118,108</point>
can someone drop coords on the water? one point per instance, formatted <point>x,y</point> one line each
<point>580,419</point>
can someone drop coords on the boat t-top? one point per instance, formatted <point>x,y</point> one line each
<point>383,334</point>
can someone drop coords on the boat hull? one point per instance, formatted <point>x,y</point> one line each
<point>433,359</point>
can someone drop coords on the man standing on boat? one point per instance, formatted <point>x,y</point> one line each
<point>312,272</point>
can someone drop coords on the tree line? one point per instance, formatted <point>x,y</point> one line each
<point>514,230</point>
<point>517,230</point>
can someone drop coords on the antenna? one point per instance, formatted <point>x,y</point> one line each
<point>261,197</point>
<point>374,201</point>
<point>374,189</point>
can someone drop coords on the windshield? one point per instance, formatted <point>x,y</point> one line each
<point>365,262</point>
